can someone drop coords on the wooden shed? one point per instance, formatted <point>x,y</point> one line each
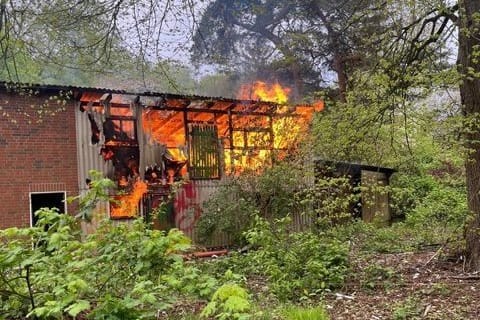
<point>373,203</point>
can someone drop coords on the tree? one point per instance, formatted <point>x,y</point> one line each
<point>310,37</point>
<point>85,36</point>
<point>414,54</point>
<point>469,67</point>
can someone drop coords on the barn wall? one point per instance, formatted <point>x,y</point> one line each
<point>89,158</point>
<point>34,156</point>
<point>188,207</point>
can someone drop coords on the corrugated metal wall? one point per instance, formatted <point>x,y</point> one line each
<point>89,158</point>
<point>188,207</point>
<point>88,154</point>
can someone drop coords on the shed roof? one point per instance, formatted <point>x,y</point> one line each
<point>350,167</point>
<point>6,85</point>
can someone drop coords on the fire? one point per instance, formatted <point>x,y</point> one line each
<point>127,205</point>
<point>262,91</point>
<point>251,136</point>
<point>154,123</point>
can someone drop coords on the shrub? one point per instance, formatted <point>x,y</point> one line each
<point>119,272</point>
<point>329,201</point>
<point>297,265</point>
<point>228,211</point>
<point>231,210</point>
<point>230,301</point>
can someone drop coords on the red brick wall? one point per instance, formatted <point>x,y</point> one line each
<point>34,152</point>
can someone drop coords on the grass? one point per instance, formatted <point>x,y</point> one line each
<point>299,313</point>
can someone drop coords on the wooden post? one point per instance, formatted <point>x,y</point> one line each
<point>185,127</point>
<point>230,137</point>
<point>272,138</point>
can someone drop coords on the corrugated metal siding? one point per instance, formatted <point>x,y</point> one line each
<point>88,154</point>
<point>88,158</point>
<point>188,207</point>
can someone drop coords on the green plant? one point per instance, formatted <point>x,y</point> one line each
<point>441,289</point>
<point>98,191</point>
<point>271,194</point>
<point>230,301</point>
<point>298,265</point>
<point>377,276</point>
<point>407,310</point>
<point>328,201</point>
<point>299,313</point>
<point>228,211</point>
<point>48,272</point>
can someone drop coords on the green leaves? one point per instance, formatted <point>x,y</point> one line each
<point>98,191</point>
<point>77,307</point>
<point>230,301</point>
<point>297,265</point>
<point>119,272</point>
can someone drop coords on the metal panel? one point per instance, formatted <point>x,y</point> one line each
<point>88,154</point>
<point>88,158</point>
<point>188,207</point>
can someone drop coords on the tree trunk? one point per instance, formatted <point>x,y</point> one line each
<point>341,70</point>
<point>469,66</point>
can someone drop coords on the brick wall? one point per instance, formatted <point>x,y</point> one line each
<point>34,155</point>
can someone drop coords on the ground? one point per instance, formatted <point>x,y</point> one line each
<point>420,285</point>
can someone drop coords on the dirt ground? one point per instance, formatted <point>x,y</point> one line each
<point>424,285</point>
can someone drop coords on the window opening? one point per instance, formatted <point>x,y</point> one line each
<point>46,200</point>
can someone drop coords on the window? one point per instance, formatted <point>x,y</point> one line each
<point>46,200</point>
<point>120,125</point>
<point>203,152</point>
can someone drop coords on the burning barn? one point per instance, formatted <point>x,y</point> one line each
<point>150,141</point>
<point>51,136</point>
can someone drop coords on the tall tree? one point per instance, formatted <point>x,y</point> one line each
<point>414,50</point>
<point>307,36</point>
<point>469,66</point>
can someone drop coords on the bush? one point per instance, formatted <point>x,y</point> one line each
<point>228,212</point>
<point>231,210</point>
<point>297,265</point>
<point>230,301</point>
<point>330,201</point>
<point>119,272</point>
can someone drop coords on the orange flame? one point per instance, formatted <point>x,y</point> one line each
<point>127,205</point>
<point>255,138</point>
<point>264,92</point>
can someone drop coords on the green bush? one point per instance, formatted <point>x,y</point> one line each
<point>119,272</point>
<point>232,208</point>
<point>229,302</point>
<point>297,265</point>
<point>228,211</point>
<point>329,201</point>
<point>410,308</point>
